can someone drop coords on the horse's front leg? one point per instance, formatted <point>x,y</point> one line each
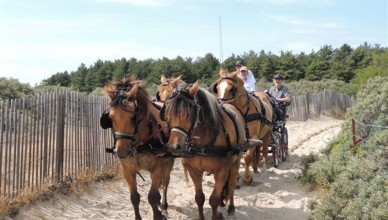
<point>168,165</point>
<point>154,195</point>
<point>196,176</point>
<point>248,156</point>
<point>215,198</point>
<point>130,177</point>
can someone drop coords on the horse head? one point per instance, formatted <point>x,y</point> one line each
<point>227,86</point>
<point>167,87</point>
<point>181,114</point>
<point>127,107</point>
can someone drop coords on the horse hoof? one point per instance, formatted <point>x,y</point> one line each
<point>165,214</point>
<point>248,182</point>
<point>238,186</point>
<point>256,170</point>
<point>231,211</point>
<point>220,217</point>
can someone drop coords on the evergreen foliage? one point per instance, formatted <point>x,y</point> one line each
<point>341,64</point>
<point>355,179</point>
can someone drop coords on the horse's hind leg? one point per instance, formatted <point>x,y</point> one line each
<point>196,176</point>
<point>154,195</point>
<point>255,158</point>
<point>232,185</point>
<point>135,196</point>
<point>264,151</point>
<point>166,181</point>
<point>185,175</point>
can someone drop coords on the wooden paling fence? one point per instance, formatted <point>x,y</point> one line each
<point>313,105</point>
<point>56,134</point>
<point>48,137</point>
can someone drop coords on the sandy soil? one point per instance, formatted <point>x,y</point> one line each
<point>276,196</point>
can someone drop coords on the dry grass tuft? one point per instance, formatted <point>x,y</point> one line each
<point>81,183</point>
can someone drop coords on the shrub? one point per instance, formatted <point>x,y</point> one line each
<point>355,183</point>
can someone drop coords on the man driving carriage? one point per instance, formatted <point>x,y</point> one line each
<point>282,96</point>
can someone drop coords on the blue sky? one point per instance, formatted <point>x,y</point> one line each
<point>39,38</point>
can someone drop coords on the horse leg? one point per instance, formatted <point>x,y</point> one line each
<point>247,173</point>
<point>166,181</point>
<point>154,195</point>
<point>135,196</point>
<point>185,176</point>
<point>215,198</point>
<point>232,185</point>
<point>196,176</point>
<point>266,142</point>
<point>255,159</point>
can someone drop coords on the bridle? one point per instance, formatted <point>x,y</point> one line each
<point>235,93</point>
<point>191,101</point>
<point>119,99</point>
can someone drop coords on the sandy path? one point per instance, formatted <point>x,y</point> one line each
<point>277,196</point>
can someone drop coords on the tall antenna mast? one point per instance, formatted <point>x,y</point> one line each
<point>220,33</point>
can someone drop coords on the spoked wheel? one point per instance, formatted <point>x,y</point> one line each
<point>284,144</point>
<point>277,149</point>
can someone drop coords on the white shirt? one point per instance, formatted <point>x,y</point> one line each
<point>250,84</point>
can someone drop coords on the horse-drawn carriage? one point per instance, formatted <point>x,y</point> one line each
<point>209,132</point>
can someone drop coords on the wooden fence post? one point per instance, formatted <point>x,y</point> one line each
<point>60,136</point>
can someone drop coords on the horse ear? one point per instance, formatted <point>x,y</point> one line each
<point>109,90</point>
<point>163,79</point>
<point>234,74</point>
<point>214,88</point>
<point>175,81</point>
<point>132,93</point>
<point>222,73</point>
<point>194,89</point>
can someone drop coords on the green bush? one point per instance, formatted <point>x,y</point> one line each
<point>301,87</point>
<point>355,181</point>
<point>12,89</point>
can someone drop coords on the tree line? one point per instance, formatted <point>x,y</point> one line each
<point>326,63</point>
<point>343,64</point>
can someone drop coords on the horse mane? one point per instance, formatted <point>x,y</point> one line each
<point>142,96</point>
<point>208,113</point>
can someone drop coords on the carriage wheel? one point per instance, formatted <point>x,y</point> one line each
<point>276,149</point>
<point>285,144</point>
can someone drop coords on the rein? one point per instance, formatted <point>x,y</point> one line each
<point>194,113</point>
<point>207,150</point>
<point>251,117</point>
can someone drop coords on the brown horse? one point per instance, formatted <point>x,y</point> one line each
<point>137,129</point>
<point>258,113</point>
<point>206,135</point>
<point>166,88</point>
